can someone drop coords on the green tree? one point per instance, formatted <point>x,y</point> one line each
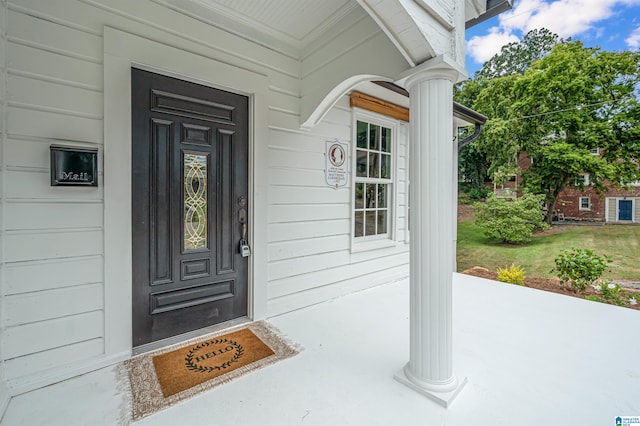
<point>514,59</point>
<point>517,57</point>
<point>511,221</point>
<point>565,105</point>
<point>472,167</point>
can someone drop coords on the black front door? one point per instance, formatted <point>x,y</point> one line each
<point>189,197</point>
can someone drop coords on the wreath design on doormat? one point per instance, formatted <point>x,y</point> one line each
<point>191,365</point>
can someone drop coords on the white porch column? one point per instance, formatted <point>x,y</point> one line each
<point>433,168</point>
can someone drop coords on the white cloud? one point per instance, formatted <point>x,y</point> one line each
<point>482,48</point>
<point>563,17</point>
<point>522,12</point>
<point>633,41</point>
<point>567,18</point>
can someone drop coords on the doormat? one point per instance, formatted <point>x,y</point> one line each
<point>164,377</point>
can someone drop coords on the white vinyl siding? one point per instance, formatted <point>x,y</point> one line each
<point>310,223</point>
<point>53,281</point>
<point>611,208</point>
<point>4,390</point>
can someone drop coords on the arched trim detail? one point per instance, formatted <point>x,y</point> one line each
<point>334,96</point>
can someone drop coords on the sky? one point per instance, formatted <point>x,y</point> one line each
<point>612,25</point>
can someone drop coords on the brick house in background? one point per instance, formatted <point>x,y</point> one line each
<point>613,205</point>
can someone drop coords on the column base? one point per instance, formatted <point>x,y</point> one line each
<point>443,394</point>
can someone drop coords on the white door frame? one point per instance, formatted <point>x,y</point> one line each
<point>122,51</point>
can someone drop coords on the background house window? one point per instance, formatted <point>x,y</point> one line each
<point>373,180</point>
<point>583,179</point>
<point>585,203</point>
<point>635,183</point>
<point>595,151</point>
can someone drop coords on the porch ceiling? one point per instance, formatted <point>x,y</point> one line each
<point>291,25</point>
<point>287,26</point>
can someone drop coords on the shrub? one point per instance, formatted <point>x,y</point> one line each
<point>479,193</point>
<point>512,221</point>
<point>512,275</point>
<point>609,293</point>
<point>580,267</point>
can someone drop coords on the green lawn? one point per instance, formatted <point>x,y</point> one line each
<point>621,242</point>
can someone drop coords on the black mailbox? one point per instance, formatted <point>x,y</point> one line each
<point>73,166</point>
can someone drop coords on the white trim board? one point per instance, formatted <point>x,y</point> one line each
<point>5,398</point>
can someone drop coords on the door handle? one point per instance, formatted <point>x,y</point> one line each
<point>244,248</point>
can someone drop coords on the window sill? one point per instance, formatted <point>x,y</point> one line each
<point>371,245</point>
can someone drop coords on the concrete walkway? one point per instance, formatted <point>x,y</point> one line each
<point>531,358</point>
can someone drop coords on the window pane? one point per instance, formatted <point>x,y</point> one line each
<point>361,163</point>
<point>371,196</point>
<point>362,134</point>
<point>374,132</point>
<point>386,139</point>
<point>385,167</point>
<point>370,223</point>
<point>382,221</point>
<point>359,195</point>
<point>373,184</point>
<point>382,196</point>
<point>359,228</point>
<point>195,201</point>
<point>374,165</point>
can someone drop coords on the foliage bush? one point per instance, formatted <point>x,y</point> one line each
<point>512,274</point>
<point>580,267</point>
<point>609,293</point>
<point>469,193</point>
<point>512,221</point>
<point>478,194</point>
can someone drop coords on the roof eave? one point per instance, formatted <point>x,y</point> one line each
<point>494,8</point>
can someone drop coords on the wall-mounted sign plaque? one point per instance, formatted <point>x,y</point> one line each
<point>336,163</point>
<point>73,166</point>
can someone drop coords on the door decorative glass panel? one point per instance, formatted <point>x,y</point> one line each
<point>195,201</point>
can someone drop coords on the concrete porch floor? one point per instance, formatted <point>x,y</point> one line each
<point>531,358</point>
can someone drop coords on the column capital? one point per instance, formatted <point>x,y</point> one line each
<point>439,67</point>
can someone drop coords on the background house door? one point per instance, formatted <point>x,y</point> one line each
<point>624,209</point>
<point>189,196</point>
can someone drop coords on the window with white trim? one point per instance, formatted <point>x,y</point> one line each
<point>373,180</point>
<point>582,178</point>
<point>635,183</point>
<point>585,203</point>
